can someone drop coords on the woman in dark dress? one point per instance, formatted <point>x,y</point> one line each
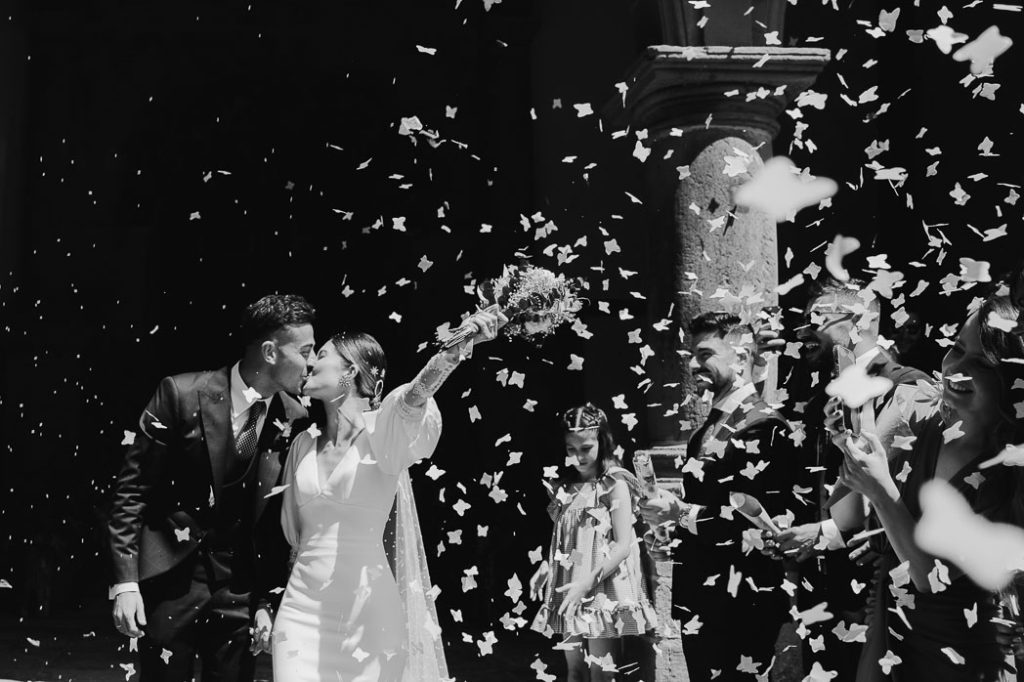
<point>919,629</point>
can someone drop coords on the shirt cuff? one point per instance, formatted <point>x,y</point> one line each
<point>122,587</point>
<point>830,531</point>
<point>689,519</point>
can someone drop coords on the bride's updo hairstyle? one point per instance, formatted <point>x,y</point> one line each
<point>364,353</point>
<point>590,416</point>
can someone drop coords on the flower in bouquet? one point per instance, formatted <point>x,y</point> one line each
<point>536,301</point>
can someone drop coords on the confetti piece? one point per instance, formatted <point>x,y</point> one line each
<point>779,192</point>
<point>1011,455</point>
<point>971,615</point>
<point>276,490</point>
<point>889,661</point>
<point>816,614</point>
<point>989,553</point>
<point>878,262</point>
<point>903,442</point>
<point>974,270</point>
<point>129,438</point>
<point>887,20</point>
<point>983,50</point>
<point>945,38</point>
<point>1001,323</point>
<point>904,472</point>
<point>856,632</point>
<point>840,248</point>
<point>515,588</point>
<point>855,388</point>
<point>819,674</point>
<point>953,432</point>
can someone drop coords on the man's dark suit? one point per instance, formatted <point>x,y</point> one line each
<point>192,524</point>
<point>746,624</point>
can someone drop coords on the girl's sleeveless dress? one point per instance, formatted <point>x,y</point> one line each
<point>581,541</point>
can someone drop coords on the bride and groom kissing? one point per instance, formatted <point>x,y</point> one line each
<point>230,495</point>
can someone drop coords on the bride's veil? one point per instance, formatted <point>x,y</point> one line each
<point>426,662</point>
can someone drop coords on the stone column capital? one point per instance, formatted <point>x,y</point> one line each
<point>681,87</point>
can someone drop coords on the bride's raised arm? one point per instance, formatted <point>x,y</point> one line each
<point>437,369</point>
<point>408,424</point>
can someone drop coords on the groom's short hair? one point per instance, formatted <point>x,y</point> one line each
<point>727,326</point>
<point>276,311</point>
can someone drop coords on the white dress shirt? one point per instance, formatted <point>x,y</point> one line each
<point>240,404</point>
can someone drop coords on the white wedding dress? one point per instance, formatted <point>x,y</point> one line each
<point>344,617</point>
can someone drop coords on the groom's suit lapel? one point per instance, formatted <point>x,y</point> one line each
<point>215,410</point>
<point>752,408</point>
<point>273,446</point>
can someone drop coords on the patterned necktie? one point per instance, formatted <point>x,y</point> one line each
<point>247,439</point>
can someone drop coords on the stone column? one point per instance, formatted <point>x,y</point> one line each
<point>708,114</point>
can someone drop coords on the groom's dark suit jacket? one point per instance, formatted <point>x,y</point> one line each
<point>749,435</point>
<point>170,489</point>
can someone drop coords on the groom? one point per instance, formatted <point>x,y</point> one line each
<point>195,529</point>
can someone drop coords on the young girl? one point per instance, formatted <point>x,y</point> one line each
<point>592,584</point>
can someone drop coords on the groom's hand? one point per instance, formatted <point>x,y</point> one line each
<point>129,614</point>
<point>262,626</point>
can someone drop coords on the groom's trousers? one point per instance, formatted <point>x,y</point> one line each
<point>192,610</point>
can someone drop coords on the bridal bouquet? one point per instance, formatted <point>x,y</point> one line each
<point>535,301</point>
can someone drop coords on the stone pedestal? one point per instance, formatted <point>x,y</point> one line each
<point>708,115</point>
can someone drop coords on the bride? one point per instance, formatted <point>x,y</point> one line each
<point>344,616</point>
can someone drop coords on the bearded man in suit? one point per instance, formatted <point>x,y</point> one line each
<point>726,593</point>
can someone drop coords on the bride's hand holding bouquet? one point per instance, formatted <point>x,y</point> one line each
<point>526,301</point>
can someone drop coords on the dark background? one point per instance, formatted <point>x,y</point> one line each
<point>164,164</point>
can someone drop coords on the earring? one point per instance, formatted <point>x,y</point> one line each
<point>344,383</point>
